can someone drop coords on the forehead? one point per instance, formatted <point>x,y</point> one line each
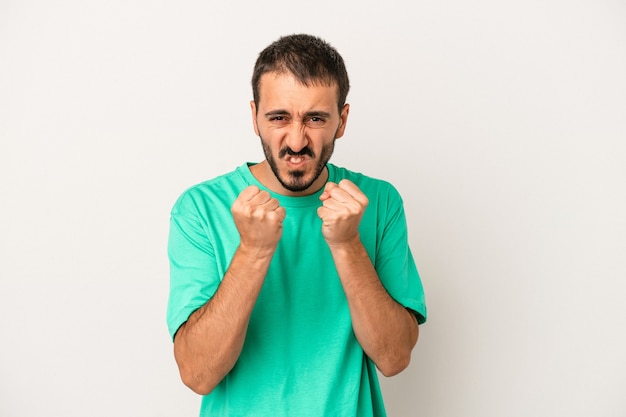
<point>283,89</point>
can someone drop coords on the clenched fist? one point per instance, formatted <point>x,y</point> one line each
<point>259,220</point>
<point>342,208</point>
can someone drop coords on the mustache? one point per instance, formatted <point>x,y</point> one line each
<point>306,151</point>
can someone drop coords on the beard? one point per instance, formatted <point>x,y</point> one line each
<point>297,180</point>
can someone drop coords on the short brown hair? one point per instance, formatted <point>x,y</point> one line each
<point>308,58</point>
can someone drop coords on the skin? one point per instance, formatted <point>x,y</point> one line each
<point>292,116</point>
<point>307,121</point>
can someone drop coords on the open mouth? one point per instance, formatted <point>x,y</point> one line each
<point>295,160</point>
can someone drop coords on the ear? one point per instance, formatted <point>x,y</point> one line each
<point>343,119</point>
<point>253,109</point>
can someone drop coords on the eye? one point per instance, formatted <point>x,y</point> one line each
<point>278,120</point>
<point>315,121</point>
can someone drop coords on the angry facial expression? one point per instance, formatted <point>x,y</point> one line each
<point>298,126</point>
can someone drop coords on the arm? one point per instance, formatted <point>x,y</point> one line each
<point>385,329</point>
<point>208,344</point>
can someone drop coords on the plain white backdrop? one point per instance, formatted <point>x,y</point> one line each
<point>503,125</point>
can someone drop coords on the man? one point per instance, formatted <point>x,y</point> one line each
<point>292,279</point>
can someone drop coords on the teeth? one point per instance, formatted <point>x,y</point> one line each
<point>296,160</point>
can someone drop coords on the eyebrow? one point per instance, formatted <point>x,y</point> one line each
<point>277,113</point>
<point>317,113</point>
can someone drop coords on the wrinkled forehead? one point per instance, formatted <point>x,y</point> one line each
<point>284,73</point>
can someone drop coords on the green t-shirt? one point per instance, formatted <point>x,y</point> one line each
<point>300,356</point>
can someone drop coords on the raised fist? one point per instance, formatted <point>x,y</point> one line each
<point>259,220</point>
<point>342,208</point>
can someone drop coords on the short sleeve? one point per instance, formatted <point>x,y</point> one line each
<point>193,276</point>
<point>395,264</point>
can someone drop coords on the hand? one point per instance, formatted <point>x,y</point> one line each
<point>259,220</point>
<point>342,208</point>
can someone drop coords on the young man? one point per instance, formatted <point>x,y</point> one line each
<point>292,279</point>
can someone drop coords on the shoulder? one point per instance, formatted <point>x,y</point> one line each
<point>373,188</point>
<point>215,192</point>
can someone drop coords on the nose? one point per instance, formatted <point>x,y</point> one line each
<point>296,137</point>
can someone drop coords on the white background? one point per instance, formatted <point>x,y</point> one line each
<point>503,125</point>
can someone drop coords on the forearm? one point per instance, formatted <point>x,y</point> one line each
<point>385,329</point>
<point>208,345</point>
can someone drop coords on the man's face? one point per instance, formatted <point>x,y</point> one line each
<point>298,126</point>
